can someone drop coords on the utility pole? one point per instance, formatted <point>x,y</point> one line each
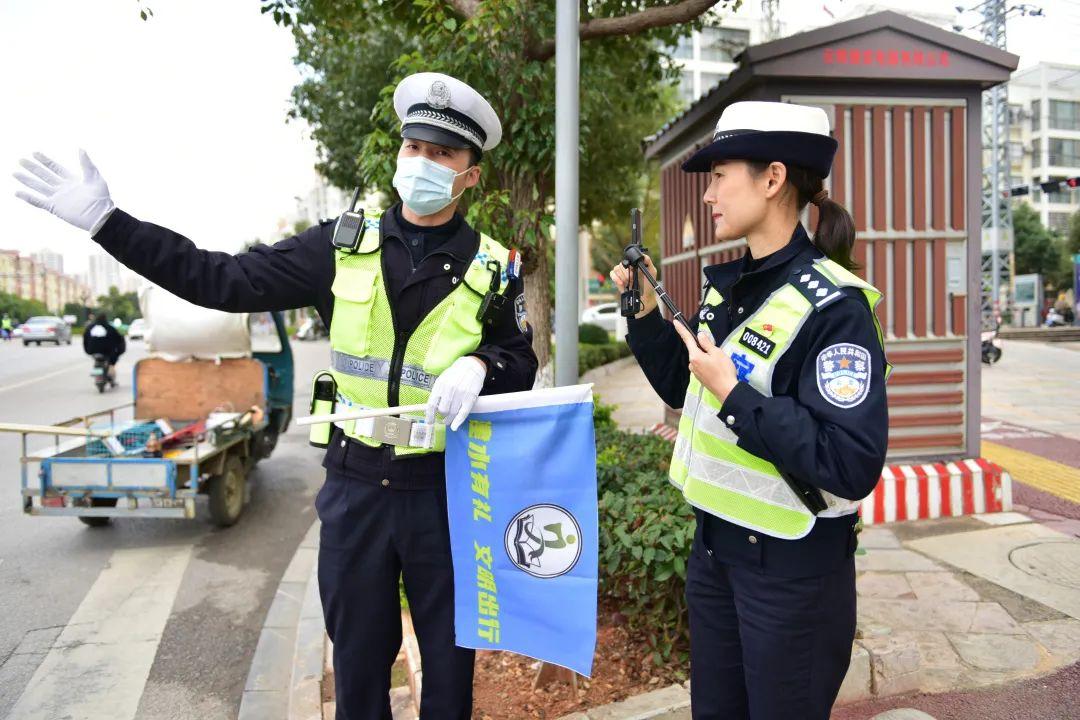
<point>567,111</point>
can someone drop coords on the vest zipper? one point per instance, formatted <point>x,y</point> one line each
<point>393,390</point>
<point>401,339</point>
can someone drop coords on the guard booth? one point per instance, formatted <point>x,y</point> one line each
<point>904,102</point>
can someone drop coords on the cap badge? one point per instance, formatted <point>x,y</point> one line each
<point>438,95</point>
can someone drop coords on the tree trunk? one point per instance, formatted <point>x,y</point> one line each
<point>538,302</point>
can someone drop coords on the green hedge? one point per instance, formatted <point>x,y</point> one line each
<point>591,356</point>
<point>646,530</point>
<point>589,334</point>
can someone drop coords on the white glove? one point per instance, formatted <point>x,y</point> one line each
<point>456,390</point>
<point>84,202</point>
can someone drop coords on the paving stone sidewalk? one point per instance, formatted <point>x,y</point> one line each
<point>948,604</point>
<point>924,625</point>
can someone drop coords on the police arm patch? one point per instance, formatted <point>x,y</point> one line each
<point>843,374</point>
<point>520,314</point>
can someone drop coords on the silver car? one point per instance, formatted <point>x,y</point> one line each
<point>46,328</point>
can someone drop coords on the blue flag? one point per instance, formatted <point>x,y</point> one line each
<point>521,499</point>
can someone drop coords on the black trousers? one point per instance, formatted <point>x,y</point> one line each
<point>764,647</point>
<point>370,536</point>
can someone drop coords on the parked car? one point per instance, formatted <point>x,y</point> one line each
<point>137,329</point>
<point>46,328</point>
<point>603,315</point>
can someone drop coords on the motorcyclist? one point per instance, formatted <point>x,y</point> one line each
<point>6,327</point>
<point>101,338</point>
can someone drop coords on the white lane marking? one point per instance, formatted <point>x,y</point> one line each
<point>31,381</point>
<point>98,665</point>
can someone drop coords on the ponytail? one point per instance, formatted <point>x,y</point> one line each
<point>835,234</point>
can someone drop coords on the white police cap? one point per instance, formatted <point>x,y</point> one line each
<point>770,132</point>
<point>443,110</point>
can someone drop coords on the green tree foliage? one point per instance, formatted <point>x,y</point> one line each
<point>1072,238</point>
<point>354,52</point>
<point>19,309</point>
<point>1037,249</point>
<point>80,311</point>
<point>117,304</point>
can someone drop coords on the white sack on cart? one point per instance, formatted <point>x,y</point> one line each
<point>176,330</point>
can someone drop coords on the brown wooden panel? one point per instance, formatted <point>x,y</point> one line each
<point>937,151</point>
<point>936,377</point>
<point>918,169</point>
<point>877,160</point>
<point>918,304</point>
<point>959,314</point>
<point>958,165</point>
<point>899,168</point>
<point>900,289</point>
<point>907,357</point>
<point>838,173</point>
<point>926,441</point>
<point>858,166</point>
<point>926,420</point>
<point>193,389</point>
<point>881,280</point>
<point>940,301</point>
<point>916,399</point>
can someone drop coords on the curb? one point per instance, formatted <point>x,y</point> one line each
<point>658,704</point>
<point>285,678</point>
<point>932,490</point>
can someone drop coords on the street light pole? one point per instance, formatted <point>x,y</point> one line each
<point>567,277</point>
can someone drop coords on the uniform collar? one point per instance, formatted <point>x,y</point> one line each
<point>724,275</point>
<point>461,245</point>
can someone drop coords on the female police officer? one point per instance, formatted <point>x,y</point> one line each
<point>784,421</point>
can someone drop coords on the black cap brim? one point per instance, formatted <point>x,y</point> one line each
<point>807,150</point>
<point>428,133</point>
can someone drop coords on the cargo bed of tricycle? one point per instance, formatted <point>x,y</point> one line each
<point>98,466</point>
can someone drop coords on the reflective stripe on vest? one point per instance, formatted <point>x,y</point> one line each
<point>713,472</point>
<point>362,332</point>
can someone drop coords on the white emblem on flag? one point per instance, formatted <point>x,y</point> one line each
<point>544,541</point>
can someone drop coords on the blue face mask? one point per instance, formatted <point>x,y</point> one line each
<point>425,187</point>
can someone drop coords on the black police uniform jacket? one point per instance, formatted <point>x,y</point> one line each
<point>838,449</point>
<point>298,272</point>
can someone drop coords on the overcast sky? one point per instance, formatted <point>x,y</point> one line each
<point>185,114</point>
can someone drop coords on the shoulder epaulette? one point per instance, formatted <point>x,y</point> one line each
<point>819,290</point>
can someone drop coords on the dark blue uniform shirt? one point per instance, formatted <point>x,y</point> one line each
<point>299,271</point>
<point>837,449</point>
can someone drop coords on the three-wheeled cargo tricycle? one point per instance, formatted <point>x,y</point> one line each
<point>195,427</point>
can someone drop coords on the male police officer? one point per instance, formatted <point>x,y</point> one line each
<point>421,309</point>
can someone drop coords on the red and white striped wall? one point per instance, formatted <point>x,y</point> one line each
<point>933,490</point>
<point>930,490</point>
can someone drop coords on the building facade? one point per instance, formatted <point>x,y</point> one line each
<point>1044,114</point>
<point>30,279</point>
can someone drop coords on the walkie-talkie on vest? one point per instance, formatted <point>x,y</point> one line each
<point>349,228</point>
<point>634,258</point>
<point>494,303</point>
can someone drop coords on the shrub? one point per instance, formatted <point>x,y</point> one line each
<point>592,356</point>
<point>590,334</point>
<point>646,529</point>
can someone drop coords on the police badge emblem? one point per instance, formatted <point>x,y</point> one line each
<point>520,313</point>
<point>438,95</point>
<point>843,374</point>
